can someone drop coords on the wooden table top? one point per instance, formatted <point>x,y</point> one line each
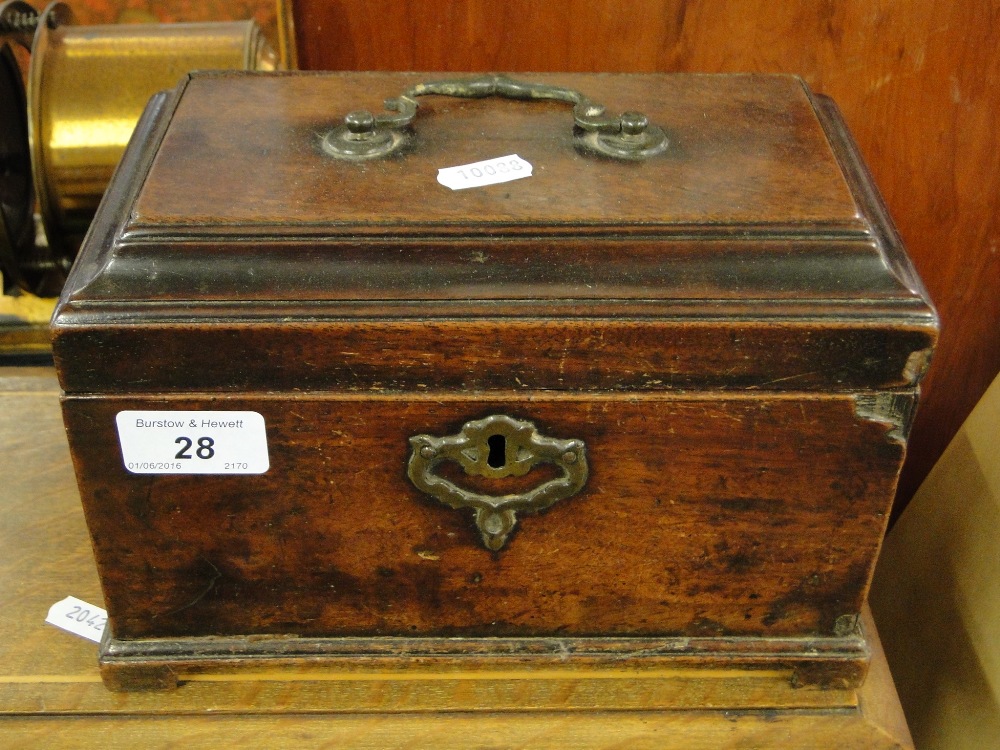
<point>51,692</point>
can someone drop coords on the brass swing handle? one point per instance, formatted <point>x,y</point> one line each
<point>496,447</point>
<point>364,135</point>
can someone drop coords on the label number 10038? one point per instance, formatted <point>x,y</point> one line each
<point>491,170</point>
<point>205,447</point>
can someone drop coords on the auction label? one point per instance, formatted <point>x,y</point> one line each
<point>193,442</point>
<point>482,173</point>
<point>79,618</point>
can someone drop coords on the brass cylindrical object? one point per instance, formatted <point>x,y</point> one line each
<point>87,87</point>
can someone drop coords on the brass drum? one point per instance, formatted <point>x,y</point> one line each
<point>87,87</point>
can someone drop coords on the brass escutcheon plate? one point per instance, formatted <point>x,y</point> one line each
<point>496,447</point>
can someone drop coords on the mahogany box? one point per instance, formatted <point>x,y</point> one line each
<point>637,393</point>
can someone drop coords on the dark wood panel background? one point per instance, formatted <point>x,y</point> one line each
<point>918,82</point>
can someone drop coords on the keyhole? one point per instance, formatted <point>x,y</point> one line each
<point>498,451</point>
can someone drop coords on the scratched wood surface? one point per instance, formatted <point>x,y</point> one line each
<point>915,80</point>
<point>751,510</point>
<point>335,540</point>
<point>51,694</point>
<point>746,150</point>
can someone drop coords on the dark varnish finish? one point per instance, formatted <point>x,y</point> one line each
<point>689,503</point>
<point>732,329</point>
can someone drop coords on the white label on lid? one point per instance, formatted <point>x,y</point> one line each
<point>482,173</point>
<point>78,618</point>
<point>193,442</point>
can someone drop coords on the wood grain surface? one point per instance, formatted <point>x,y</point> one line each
<point>691,730</point>
<point>672,536</point>
<point>51,694</point>
<point>914,80</point>
<point>744,150</point>
<point>586,355</point>
<point>751,509</point>
<point>775,278</point>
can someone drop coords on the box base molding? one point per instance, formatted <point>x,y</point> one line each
<point>799,665</point>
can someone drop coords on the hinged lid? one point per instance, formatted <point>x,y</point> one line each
<point>751,252</point>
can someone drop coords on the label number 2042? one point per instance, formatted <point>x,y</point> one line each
<point>95,620</point>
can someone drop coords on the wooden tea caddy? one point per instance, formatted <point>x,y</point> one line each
<point>644,409</point>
